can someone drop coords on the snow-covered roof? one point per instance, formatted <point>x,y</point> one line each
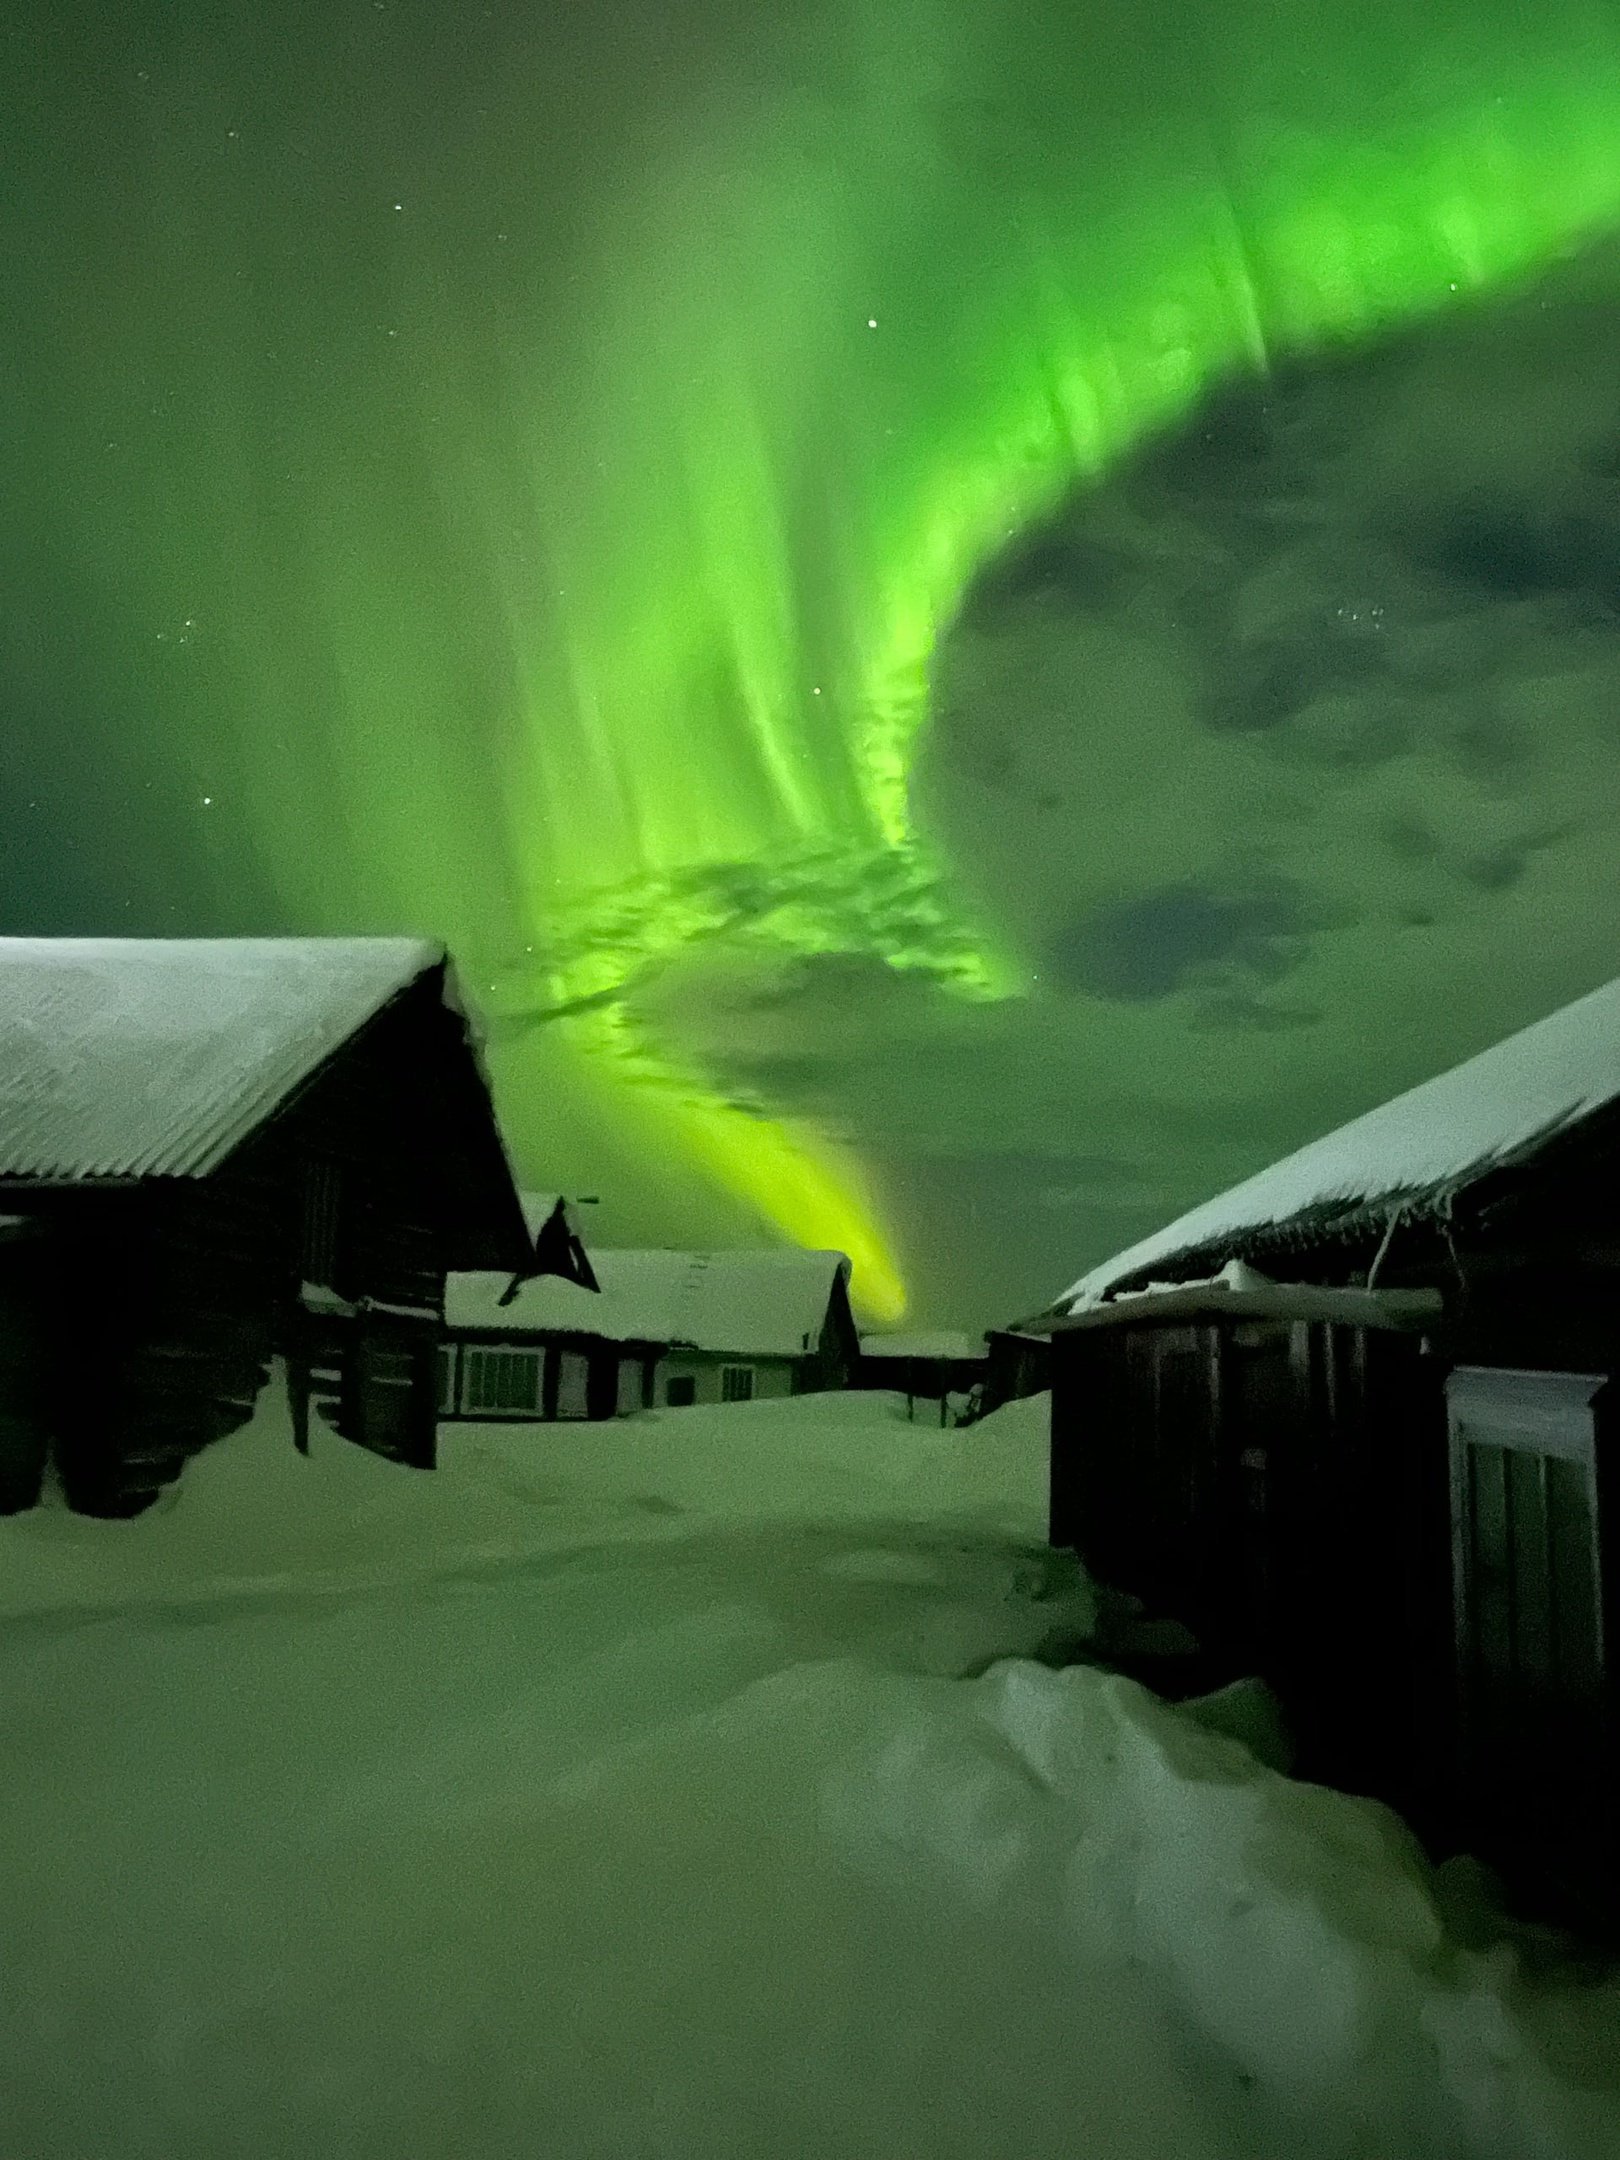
<point>1242,1292</point>
<point>762,1304</point>
<point>1493,1109</point>
<point>944,1344</point>
<point>154,1057</point>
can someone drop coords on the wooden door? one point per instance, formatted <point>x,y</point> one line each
<point>1534,1736</point>
<point>1256,1429</point>
<point>391,1390</point>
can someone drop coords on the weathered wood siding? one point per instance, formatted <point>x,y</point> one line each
<point>1444,1611</point>
<point>170,1296</point>
<point>1279,1489</point>
<point>25,1372</point>
<point>1016,1366</point>
<point>1535,1584</point>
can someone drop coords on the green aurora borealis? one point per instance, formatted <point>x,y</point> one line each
<point>509,475</point>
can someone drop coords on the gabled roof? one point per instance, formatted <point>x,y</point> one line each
<point>758,1304</point>
<point>944,1345</point>
<point>1412,1153</point>
<point>155,1057</point>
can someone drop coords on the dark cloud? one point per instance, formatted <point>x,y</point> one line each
<point>1239,1011</point>
<point>1499,869</point>
<point>1502,547</point>
<point>1058,1174</point>
<point>1061,566</point>
<point>1266,684</point>
<point>1324,595</point>
<point>1184,935</point>
<point>1487,746</point>
<point>1412,839</point>
<point>1495,871</point>
<point>804,1078</point>
<point>1352,732</point>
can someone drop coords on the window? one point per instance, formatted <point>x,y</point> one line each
<point>323,1208</point>
<point>447,1379</point>
<point>680,1392</point>
<point>632,1393</point>
<point>573,1384</point>
<point>736,1383</point>
<point>503,1381</point>
<point>1528,1604</point>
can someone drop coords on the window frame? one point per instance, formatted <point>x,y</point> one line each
<point>488,1374</point>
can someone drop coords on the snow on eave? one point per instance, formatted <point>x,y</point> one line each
<point>945,1346</point>
<point>126,1058</point>
<point>1412,1154</point>
<point>1242,1292</point>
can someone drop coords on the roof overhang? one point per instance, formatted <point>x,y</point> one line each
<point>1259,1299</point>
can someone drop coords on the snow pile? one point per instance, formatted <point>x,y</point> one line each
<point>625,1793</point>
<point>252,1515</point>
<point>1296,1929</point>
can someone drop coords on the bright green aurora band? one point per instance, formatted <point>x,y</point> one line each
<point>524,498</point>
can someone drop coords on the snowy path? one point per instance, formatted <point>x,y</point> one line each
<point>685,1845</point>
<point>517,1898</point>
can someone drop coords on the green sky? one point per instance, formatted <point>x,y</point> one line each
<point>970,618</point>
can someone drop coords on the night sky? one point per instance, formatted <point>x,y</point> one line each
<point>971,617</point>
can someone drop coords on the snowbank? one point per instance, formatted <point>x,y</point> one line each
<point>251,1515</point>
<point>1296,1928</point>
<point>633,1798</point>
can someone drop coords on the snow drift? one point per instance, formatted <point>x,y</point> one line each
<point>708,1784</point>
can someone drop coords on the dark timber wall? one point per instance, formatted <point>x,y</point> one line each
<point>1418,1543</point>
<point>1267,1483</point>
<point>158,1303</point>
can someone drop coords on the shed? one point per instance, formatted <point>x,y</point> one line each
<point>929,1369</point>
<point>1018,1363</point>
<point>1492,1189</point>
<point>1250,1458</point>
<point>662,1327</point>
<point>213,1150</point>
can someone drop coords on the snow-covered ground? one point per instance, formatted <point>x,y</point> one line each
<point>694,1788</point>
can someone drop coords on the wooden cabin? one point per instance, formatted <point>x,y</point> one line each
<point>1018,1363</point>
<point>214,1151</point>
<point>938,1374</point>
<point>653,1328</point>
<point>1271,1470</point>
<point>1402,1506</point>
